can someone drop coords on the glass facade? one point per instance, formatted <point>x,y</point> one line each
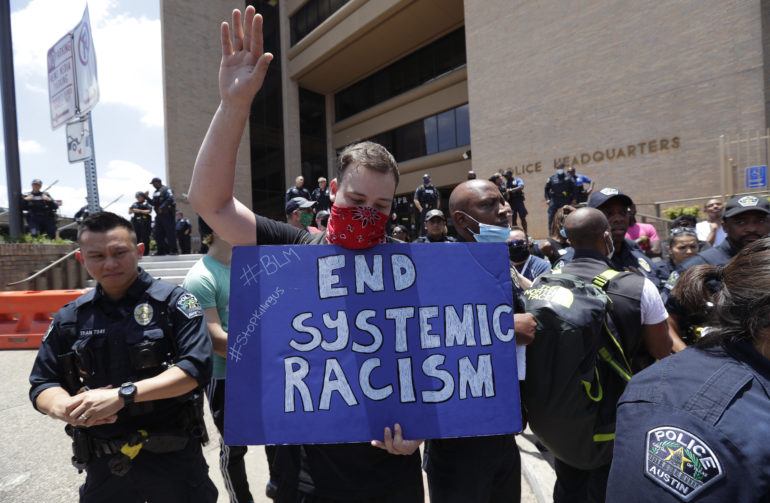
<point>312,130</point>
<point>429,62</point>
<point>266,125</point>
<point>437,133</point>
<point>310,15</point>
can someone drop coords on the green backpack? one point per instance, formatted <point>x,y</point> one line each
<point>576,368</point>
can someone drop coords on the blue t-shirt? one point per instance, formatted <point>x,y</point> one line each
<point>534,267</point>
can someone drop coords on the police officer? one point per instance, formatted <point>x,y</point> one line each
<point>141,219</point>
<point>693,427</point>
<point>639,316</point>
<point>163,202</point>
<point>625,256</point>
<point>560,190</point>
<point>580,181</point>
<point>435,229</point>
<point>183,230</point>
<point>123,365</point>
<point>40,210</point>
<point>298,190</point>
<point>426,198</point>
<point>514,193</point>
<point>321,195</point>
<point>745,220</point>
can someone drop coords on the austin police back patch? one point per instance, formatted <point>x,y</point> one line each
<point>189,306</point>
<point>680,461</point>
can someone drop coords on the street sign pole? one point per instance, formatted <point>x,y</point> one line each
<point>92,188</point>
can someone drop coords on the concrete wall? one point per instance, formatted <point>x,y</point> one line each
<point>657,80</point>
<point>19,261</point>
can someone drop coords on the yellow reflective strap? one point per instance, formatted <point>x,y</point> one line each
<point>604,437</point>
<point>132,450</point>
<point>620,348</point>
<point>605,277</point>
<point>608,358</point>
<point>587,386</point>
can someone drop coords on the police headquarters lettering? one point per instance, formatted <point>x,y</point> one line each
<point>621,152</point>
<point>343,343</point>
<point>596,156</point>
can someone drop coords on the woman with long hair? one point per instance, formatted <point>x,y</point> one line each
<point>695,426</point>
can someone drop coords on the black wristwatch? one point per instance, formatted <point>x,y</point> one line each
<point>127,392</point>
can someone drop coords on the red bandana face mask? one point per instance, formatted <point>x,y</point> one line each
<point>356,227</point>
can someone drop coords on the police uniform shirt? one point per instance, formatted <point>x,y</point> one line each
<point>38,205</point>
<point>427,196</point>
<point>297,192</point>
<point>321,196</point>
<point>630,257</point>
<point>182,225</point>
<point>512,184</point>
<point>353,471</point>
<point>140,206</point>
<point>695,427</point>
<point>104,330</point>
<point>162,199</point>
<point>561,188</point>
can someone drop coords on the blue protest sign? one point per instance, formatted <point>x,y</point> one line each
<point>328,345</point>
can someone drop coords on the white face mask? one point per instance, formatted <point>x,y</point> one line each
<point>610,247</point>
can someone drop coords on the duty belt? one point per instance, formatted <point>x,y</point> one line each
<point>85,446</point>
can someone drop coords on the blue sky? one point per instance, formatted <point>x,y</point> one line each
<point>128,120</point>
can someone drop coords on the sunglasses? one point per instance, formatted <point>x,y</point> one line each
<point>683,230</point>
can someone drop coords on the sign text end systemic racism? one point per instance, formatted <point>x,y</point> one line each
<point>328,345</point>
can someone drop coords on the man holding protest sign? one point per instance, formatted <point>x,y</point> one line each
<point>367,178</point>
<point>479,469</point>
<point>367,175</point>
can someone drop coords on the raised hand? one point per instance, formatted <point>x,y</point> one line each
<point>244,65</point>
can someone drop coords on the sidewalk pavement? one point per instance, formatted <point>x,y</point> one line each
<point>35,452</point>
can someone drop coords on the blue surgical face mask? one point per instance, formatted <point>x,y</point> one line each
<point>560,172</point>
<point>489,233</point>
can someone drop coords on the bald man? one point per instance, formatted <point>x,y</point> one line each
<point>638,314</point>
<point>479,469</point>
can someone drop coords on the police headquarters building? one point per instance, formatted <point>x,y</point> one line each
<point>634,95</point>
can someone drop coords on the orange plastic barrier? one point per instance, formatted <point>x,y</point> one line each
<point>26,315</point>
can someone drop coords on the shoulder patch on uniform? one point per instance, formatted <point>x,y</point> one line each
<point>644,264</point>
<point>50,327</point>
<point>671,281</point>
<point>680,462</point>
<point>143,314</point>
<point>189,306</point>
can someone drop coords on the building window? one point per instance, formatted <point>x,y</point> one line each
<point>312,131</point>
<point>266,125</point>
<point>310,15</point>
<point>437,133</point>
<point>429,62</point>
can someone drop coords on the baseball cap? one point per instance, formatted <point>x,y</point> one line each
<point>508,172</point>
<point>156,179</point>
<point>300,203</point>
<point>322,214</point>
<point>426,176</point>
<point>37,181</point>
<point>599,198</point>
<point>139,193</point>
<point>742,204</point>
<point>435,213</point>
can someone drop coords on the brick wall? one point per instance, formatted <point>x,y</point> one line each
<point>18,261</point>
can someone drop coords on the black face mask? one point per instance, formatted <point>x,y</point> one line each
<point>518,250</point>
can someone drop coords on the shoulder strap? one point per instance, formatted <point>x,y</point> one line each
<point>621,365</point>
